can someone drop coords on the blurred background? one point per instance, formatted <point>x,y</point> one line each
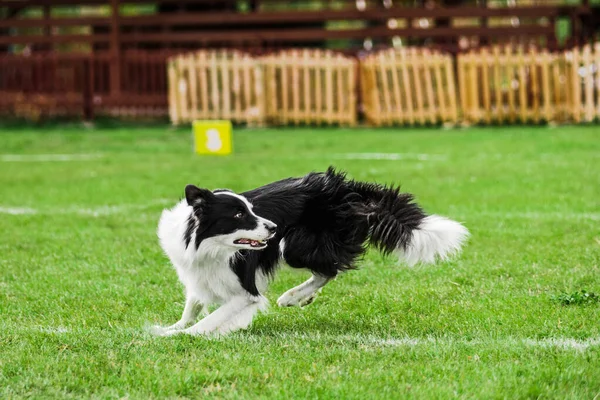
<point>374,61</point>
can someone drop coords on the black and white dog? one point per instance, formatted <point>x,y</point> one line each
<point>225,246</point>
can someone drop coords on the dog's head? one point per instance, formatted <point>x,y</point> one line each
<point>227,219</point>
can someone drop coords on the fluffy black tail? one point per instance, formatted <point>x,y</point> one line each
<point>397,224</point>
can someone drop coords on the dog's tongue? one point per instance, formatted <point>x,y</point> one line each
<point>251,242</point>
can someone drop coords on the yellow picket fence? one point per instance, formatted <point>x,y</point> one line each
<point>211,84</point>
<point>503,85</point>
<point>584,74</point>
<point>310,86</point>
<point>408,86</point>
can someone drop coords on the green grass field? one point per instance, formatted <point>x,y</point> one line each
<point>82,274</point>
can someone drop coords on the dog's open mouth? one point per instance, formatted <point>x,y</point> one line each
<point>252,243</point>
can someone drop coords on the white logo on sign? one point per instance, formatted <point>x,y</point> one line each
<point>213,140</point>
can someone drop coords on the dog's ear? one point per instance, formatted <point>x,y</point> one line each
<point>193,194</point>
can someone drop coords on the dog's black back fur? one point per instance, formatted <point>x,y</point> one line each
<point>326,221</point>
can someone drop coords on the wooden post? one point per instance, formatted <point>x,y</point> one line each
<point>293,56</point>
<point>441,111</point>
<point>308,114</point>
<point>328,86</point>
<point>465,62</point>
<point>485,77</point>
<point>576,86</point>
<point>430,114</point>
<point>405,62</point>
<point>202,71</point>
<point>474,83</point>
<point>387,111</point>
<point>546,85</point>
<point>192,65</point>
<point>88,90</point>
<point>498,85</point>
<point>115,50</point>
<point>510,73</point>
<point>318,88</point>
<point>414,61</point>
<point>597,58</point>
<point>352,100</point>
<point>47,29</point>
<point>588,83</point>
<point>173,90</point>
<point>397,90</point>
<point>522,82</point>
<point>450,81</point>
<point>535,89</point>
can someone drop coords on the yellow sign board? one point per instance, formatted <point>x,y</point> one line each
<point>212,137</point>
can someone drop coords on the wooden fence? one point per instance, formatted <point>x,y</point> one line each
<point>503,85</point>
<point>289,87</point>
<point>83,84</point>
<point>495,85</point>
<point>583,66</point>
<point>407,87</point>
<point>193,24</point>
<point>213,84</point>
<point>38,86</point>
<point>310,86</point>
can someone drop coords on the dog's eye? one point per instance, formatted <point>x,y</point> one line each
<point>239,214</point>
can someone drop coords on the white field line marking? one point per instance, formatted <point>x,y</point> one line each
<point>560,343</point>
<point>367,340</point>
<point>94,212</point>
<point>17,210</point>
<point>535,215</point>
<point>48,157</point>
<point>390,156</point>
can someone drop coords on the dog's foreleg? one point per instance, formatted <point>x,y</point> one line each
<point>235,314</point>
<point>191,310</point>
<point>305,293</point>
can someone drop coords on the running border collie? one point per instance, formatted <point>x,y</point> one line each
<point>225,246</point>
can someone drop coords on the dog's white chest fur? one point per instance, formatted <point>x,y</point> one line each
<point>208,278</point>
<point>210,281</point>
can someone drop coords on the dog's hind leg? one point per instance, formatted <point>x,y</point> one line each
<point>305,293</point>
<point>191,310</point>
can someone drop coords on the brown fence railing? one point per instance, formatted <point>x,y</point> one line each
<point>43,84</point>
<point>408,86</point>
<point>266,24</point>
<point>84,84</point>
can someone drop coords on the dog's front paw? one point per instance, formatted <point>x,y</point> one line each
<point>291,298</point>
<point>158,330</point>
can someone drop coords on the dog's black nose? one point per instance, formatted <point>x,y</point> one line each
<point>271,227</point>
